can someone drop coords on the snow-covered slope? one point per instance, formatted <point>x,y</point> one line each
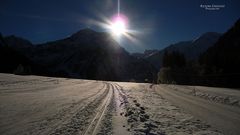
<point>48,105</point>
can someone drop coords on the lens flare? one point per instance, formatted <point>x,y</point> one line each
<point>118,26</point>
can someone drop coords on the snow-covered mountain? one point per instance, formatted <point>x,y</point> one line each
<point>145,54</point>
<point>191,49</point>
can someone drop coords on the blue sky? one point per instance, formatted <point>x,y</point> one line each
<point>159,22</point>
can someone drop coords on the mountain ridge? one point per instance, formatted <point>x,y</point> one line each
<point>89,48</point>
<point>88,54</point>
<point>192,49</point>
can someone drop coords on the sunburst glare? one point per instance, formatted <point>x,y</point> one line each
<point>118,26</point>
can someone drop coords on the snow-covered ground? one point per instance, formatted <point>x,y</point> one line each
<point>45,105</point>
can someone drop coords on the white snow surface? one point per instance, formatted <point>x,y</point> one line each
<point>46,105</point>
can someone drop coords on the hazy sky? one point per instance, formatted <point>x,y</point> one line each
<point>159,22</point>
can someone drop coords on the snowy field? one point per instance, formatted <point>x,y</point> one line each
<point>59,106</point>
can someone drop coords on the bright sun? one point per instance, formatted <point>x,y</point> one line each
<point>118,27</point>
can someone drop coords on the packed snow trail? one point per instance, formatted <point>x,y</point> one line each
<point>47,105</point>
<point>224,117</point>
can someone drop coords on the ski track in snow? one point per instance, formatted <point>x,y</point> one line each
<point>56,106</point>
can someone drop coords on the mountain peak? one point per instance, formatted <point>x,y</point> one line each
<point>17,42</point>
<point>211,34</point>
<point>208,35</point>
<point>86,31</point>
<point>84,34</point>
